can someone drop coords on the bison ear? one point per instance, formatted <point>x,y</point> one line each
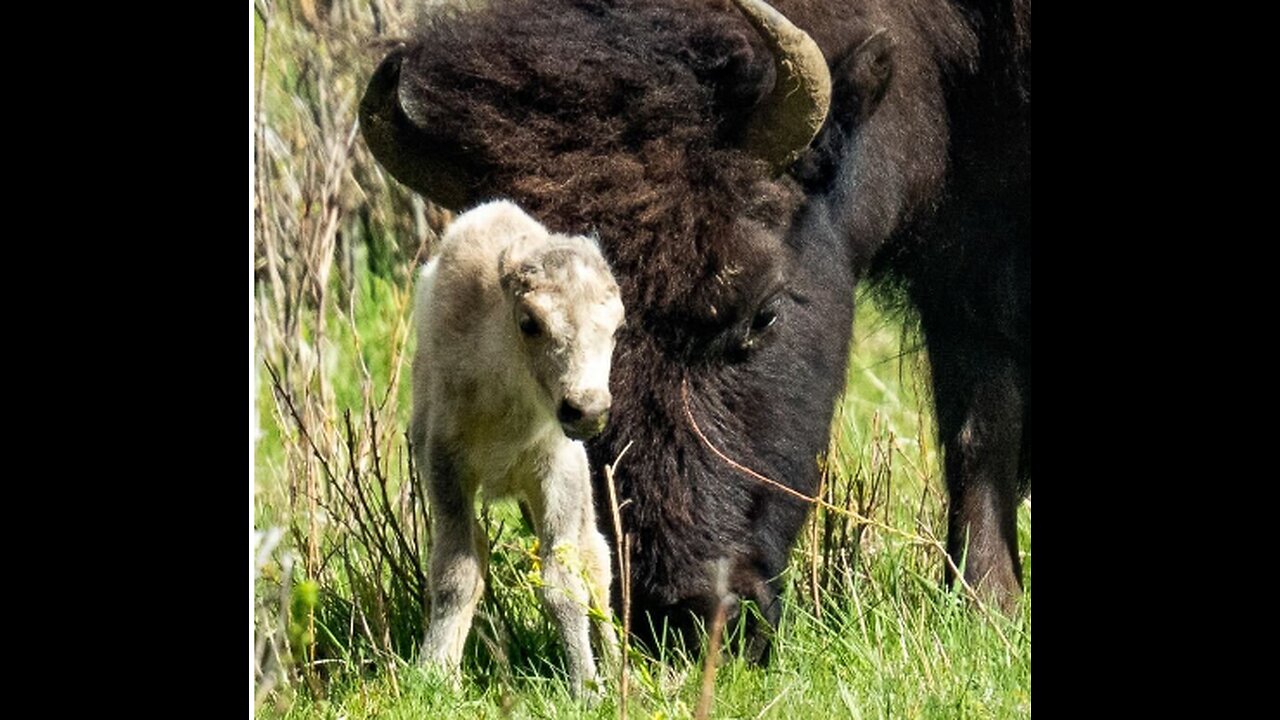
<point>860,78</point>
<point>868,71</point>
<point>398,130</point>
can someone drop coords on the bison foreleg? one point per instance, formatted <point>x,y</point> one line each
<point>982,404</point>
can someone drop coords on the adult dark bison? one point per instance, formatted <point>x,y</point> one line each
<point>743,177</point>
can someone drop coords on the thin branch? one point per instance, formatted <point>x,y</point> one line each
<point>622,544</point>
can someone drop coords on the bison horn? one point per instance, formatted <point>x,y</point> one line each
<point>791,116</point>
<point>398,138</point>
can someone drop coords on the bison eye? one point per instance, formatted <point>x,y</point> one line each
<point>756,334</point>
<point>764,320</point>
<point>529,326</point>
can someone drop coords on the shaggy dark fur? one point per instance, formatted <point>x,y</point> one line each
<point>622,117</point>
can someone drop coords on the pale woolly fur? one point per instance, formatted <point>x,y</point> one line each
<point>485,417</point>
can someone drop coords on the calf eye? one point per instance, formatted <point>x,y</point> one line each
<point>529,326</point>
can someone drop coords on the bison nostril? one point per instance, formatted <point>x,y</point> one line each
<point>569,412</point>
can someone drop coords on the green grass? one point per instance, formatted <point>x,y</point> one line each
<point>890,642</point>
<point>867,631</point>
<point>871,657</point>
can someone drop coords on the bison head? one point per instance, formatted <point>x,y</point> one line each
<point>683,141</point>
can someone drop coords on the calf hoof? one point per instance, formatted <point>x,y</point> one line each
<point>440,675</point>
<point>589,692</point>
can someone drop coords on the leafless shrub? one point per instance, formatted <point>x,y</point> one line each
<point>351,521</point>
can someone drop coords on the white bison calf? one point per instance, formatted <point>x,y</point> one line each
<point>515,333</point>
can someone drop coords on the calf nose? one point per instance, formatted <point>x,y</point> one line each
<point>569,413</point>
<point>584,415</point>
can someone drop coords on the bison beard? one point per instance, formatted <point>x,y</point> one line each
<point>628,118</point>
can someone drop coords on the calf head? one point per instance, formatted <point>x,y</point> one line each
<point>565,310</point>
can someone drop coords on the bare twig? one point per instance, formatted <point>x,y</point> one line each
<point>707,691</point>
<point>622,542</point>
<point>388,509</point>
<point>813,553</point>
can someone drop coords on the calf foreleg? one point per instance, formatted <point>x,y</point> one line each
<point>560,517</point>
<point>459,560</point>
<point>599,578</point>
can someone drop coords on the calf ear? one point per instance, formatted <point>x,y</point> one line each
<point>516,273</point>
<point>506,271</point>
